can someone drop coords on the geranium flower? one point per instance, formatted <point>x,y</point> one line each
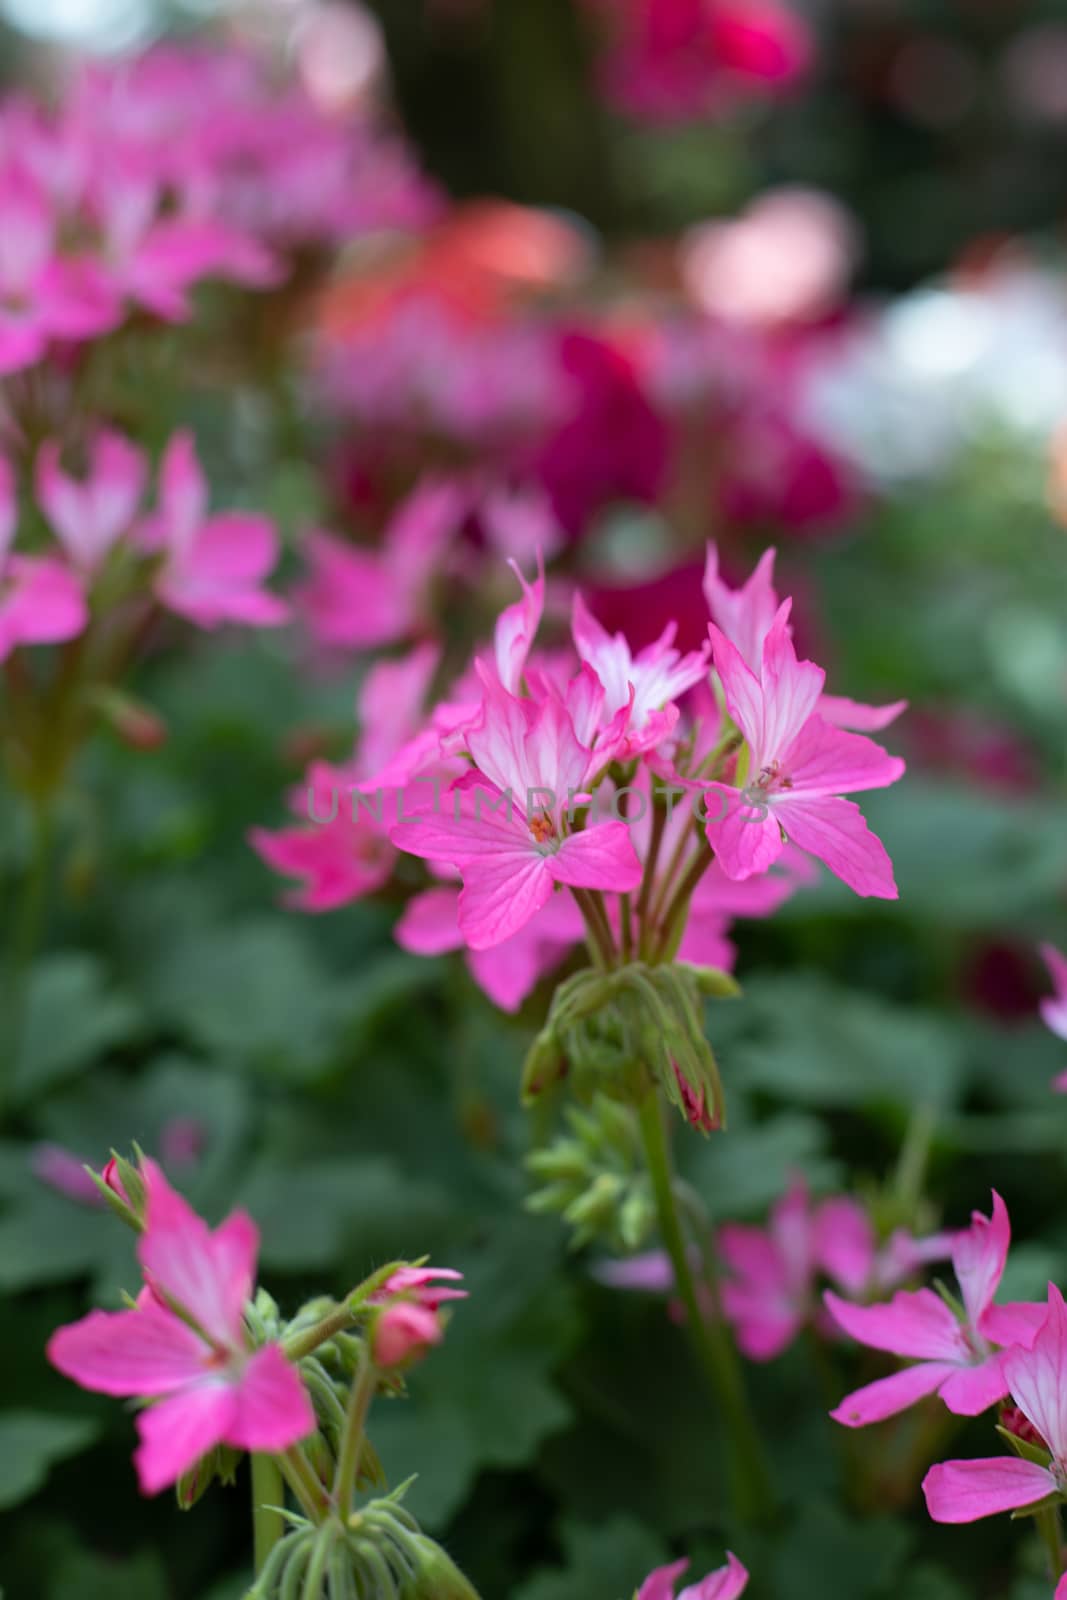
<point>724,1584</point>
<point>185,1348</point>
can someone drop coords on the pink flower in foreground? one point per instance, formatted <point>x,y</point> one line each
<point>41,602</point>
<point>213,565</point>
<point>91,513</point>
<point>648,682</point>
<point>964,1491</point>
<point>800,766</point>
<point>205,1385</point>
<point>959,1359</point>
<point>725,1584</point>
<point>505,830</point>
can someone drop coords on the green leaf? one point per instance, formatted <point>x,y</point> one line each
<point>31,1442</point>
<point>91,1577</point>
<point>72,1020</point>
<point>608,1561</point>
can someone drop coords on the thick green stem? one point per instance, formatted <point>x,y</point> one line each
<point>296,1470</point>
<point>598,933</point>
<point>360,1396</point>
<point>1048,1524</point>
<point>268,1493</point>
<point>750,1481</point>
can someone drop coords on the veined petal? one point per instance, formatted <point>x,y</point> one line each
<point>501,892</point>
<point>142,1352</point>
<point>209,1275</point>
<point>725,1584</point>
<point>600,857</point>
<point>886,1396</point>
<point>175,1433</point>
<point>914,1323</point>
<point>824,760</point>
<point>745,836</point>
<point>1037,1377</point>
<point>272,1410</point>
<point>972,1390</point>
<point>965,1491</point>
<point>979,1254</point>
<point>790,687</point>
<point>834,830</point>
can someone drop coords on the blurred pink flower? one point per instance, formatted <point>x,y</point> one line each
<point>957,1359</point>
<point>213,564</point>
<point>1054,1007</point>
<point>63,1171</point>
<point>1036,1378</point>
<point>41,602</point>
<point>725,1584</point>
<point>91,513</point>
<point>206,1386</point>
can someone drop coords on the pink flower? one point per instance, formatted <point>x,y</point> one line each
<point>799,768</point>
<point>648,683</point>
<point>357,599</point>
<point>213,565</point>
<point>426,1286</point>
<point>205,1385</point>
<point>61,1170</point>
<point>964,1491</point>
<point>507,830</point>
<point>41,602</point>
<point>957,1359</point>
<point>90,514</point>
<point>43,298</point>
<point>408,1325</point>
<point>725,1584</point>
<point>341,854</point>
<point>1054,1007</point>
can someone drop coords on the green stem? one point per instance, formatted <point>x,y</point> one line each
<point>672,923</point>
<point>303,1344</point>
<point>601,944</point>
<point>750,1481</point>
<point>359,1398</point>
<point>296,1470</point>
<point>1048,1525</point>
<point>25,937</point>
<point>268,1493</point>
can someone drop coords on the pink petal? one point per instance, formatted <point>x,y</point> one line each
<point>600,857</point>
<point>9,508</point>
<point>429,924</point>
<point>824,760</point>
<point>725,1584</point>
<point>791,689</point>
<point>914,1323</point>
<point>972,1390</point>
<point>651,1272</point>
<point>142,1352</point>
<point>746,838</point>
<point>500,894</point>
<point>844,713</point>
<point>1054,1010</point>
<point>43,604</point>
<point>1037,1377</point>
<point>351,599</point>
<point>273,1410</point>
<point>659,1585</point>
<point>516,629</point>
<point>844,1242</point>
<point>964,1491</point>
<point>744,615</point>
<point>743,691</point>
<point>979,1254</point>
<point>835,832</point>
<point>210,1275</point>
<point>885,1397</point>
<point>175,1433</point>
<point>1018,1322</point>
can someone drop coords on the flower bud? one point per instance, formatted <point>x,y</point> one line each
<point>436,1576</point>
<point>403,1333</point>
<point>135,723</point>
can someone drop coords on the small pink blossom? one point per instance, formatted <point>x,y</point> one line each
<point>403,1333</point>
<point>1036,1378</point>
<point>205,1385</point>
<point>958,1359</point>
<point>426,1286</point>
<point>90,514</point>
<point>63,1171</point>
<point>648,682</point>
<point>213,564</point>
<point>41,602</point>
<point>505,830</point>
<point>724,1584</point>
<point>800,766</point>
<point>1054,1007</point>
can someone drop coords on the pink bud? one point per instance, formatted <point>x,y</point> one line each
<point>111,1177</point>
<point>403,1333</point>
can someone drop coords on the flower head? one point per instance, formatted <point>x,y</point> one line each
<point>724,1584</point>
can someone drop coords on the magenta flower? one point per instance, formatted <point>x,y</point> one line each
<point>506,829</point>
<point>408,1325</point>
<point>800,766</point>
<point>205,1385</point>
<point>213,565</point>
<point>41,602</point>
<point>725,1584</point>
<point>340,854</point>
<point>1036,1378</point>
<point>43,298</point>
<point>91,514</point>
<point>958,1358</point>
<point>1054,1007</point>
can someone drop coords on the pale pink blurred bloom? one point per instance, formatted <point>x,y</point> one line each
<point>505,831</point>
<point>182,1141</point>
<point>41,602</point>
<point>724,1584</point>
<point>1054,1007</point>
<point>360,599</point>
<point>787,258</point>
<point>1036,1378</point>
<point>648,683</point>
<point>91,513</point>
<point>520,524</point>
<point>960,1361</point>
<point>206,1385</point>
<point>509,971</point>
<point>44,298</point>
<point>391,712</point>
<point>800,766</point>
<point>340,854</point>
<point>214,564</point>
<point>61,1170</point>
<point>516,628</point>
